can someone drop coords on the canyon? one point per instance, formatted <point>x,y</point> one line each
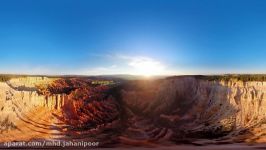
<point>166,112</point>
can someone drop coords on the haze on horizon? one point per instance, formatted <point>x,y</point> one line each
<point>140,37</point>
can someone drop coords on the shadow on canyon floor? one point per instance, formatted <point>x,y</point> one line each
<point>182,112</point>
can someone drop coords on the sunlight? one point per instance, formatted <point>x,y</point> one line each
<point>146,66</point>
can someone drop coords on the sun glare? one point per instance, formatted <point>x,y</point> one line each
<point>146,67</point>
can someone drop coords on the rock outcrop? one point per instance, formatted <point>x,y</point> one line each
<point>137,113</point>
<point>195,108</point>
<point>43,108</point>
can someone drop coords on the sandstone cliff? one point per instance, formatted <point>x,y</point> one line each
<point>151,112</point>
<point>23,109</point>
<point>197,108</point>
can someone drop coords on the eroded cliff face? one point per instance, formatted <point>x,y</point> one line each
<point>192,108</point>
<point>24,112</point>
<point>181,110</point>
<point>39,108</point>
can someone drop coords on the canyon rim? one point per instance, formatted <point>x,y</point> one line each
<point>114,112</point>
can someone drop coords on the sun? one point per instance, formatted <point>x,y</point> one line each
<point>146,67</point>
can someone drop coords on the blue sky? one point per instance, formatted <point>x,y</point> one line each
<point>132,36</point>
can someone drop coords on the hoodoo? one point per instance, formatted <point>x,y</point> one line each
<point>164,112</point>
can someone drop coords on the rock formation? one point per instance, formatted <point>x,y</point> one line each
<point>192,108</point>
<point>177,110</point>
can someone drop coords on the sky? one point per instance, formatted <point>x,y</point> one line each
<point>139,37</point>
